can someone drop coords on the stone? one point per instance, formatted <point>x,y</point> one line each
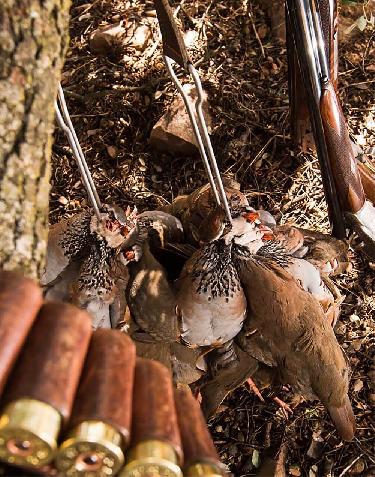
<point>173,132</point>
<point>105,40</point>
<point>141,37</point>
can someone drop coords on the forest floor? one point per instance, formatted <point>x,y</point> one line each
<point>115,101</point>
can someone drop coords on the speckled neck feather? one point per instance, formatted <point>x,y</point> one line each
<point>215,273</point>
<point>95,269</point>
<point>77,235</point>
<point>272,249</point>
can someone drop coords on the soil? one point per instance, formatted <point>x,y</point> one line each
<point>116,99</point>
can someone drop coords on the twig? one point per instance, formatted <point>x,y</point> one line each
<point>350,465</point>
<point>249,12</point>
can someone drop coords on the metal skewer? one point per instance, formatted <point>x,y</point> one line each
<point>174,51</point>
<point>65,123</point>
<point>201,134</point>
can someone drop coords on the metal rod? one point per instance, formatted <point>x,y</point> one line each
<point>207,141</point>
<point>66,125</point>
<point>204,142</point>
<point>75,151</point>
<point>80,156</point>
<point>194,124</point>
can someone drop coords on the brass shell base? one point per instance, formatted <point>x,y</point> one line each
<point>28,433</point>
<point>152,459</point>
<point>203,470</point>
<point>92,449</point>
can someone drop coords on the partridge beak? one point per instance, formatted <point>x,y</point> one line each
<point>267,232</point>
<point>251,217</point>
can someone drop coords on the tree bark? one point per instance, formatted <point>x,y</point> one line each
<point>33,40</point>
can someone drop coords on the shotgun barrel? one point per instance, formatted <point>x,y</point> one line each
<point>301,24</point>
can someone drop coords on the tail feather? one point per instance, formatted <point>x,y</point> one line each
<point>344,420</point>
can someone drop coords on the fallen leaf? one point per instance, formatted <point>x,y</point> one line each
<point>112,151</point>
<point>361,23</point>
<point>358,385</point>
<point>295,471</point>
<point>63,200</point>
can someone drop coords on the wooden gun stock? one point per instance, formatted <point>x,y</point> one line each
<point>341,156</point>
<point>367,172</point>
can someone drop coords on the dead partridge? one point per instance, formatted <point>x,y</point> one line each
<point>150,298</point>
<point>286,325</point>
<point>210,300</point>
<point>82,263</point>
<point>328,254</point>
<point>290,242</point>
<point>202,219</point>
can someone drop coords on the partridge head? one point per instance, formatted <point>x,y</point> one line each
<point>202,218</point>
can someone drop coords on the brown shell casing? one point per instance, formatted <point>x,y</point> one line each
<point>105,392</point>
<point>154,412</point>
<point>197,443</point>
<point>20,300</point>
<point>50,363</point>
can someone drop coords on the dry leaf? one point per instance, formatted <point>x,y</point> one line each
<point>358,385</point>
<point>63,200</point>
<point>112,151</point>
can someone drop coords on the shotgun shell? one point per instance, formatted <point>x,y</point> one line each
<point>156,445</point>
<point>200,456</point>
<point>101,417</point>
<point>20,300</point>
<point>41,388</point>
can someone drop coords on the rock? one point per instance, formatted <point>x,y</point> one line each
<point>173,132</point>
<point>107,40</point>
<point>141,37</point>
<point>114,40</point>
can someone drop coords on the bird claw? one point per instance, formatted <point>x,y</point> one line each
<point>284,407</point>
<point>255,389</point>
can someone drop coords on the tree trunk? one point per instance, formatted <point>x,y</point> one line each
<point>33,40</point>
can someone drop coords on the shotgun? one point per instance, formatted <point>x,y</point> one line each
<point>342,183</point>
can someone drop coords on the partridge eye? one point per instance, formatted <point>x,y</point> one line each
<point>129,255</point>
